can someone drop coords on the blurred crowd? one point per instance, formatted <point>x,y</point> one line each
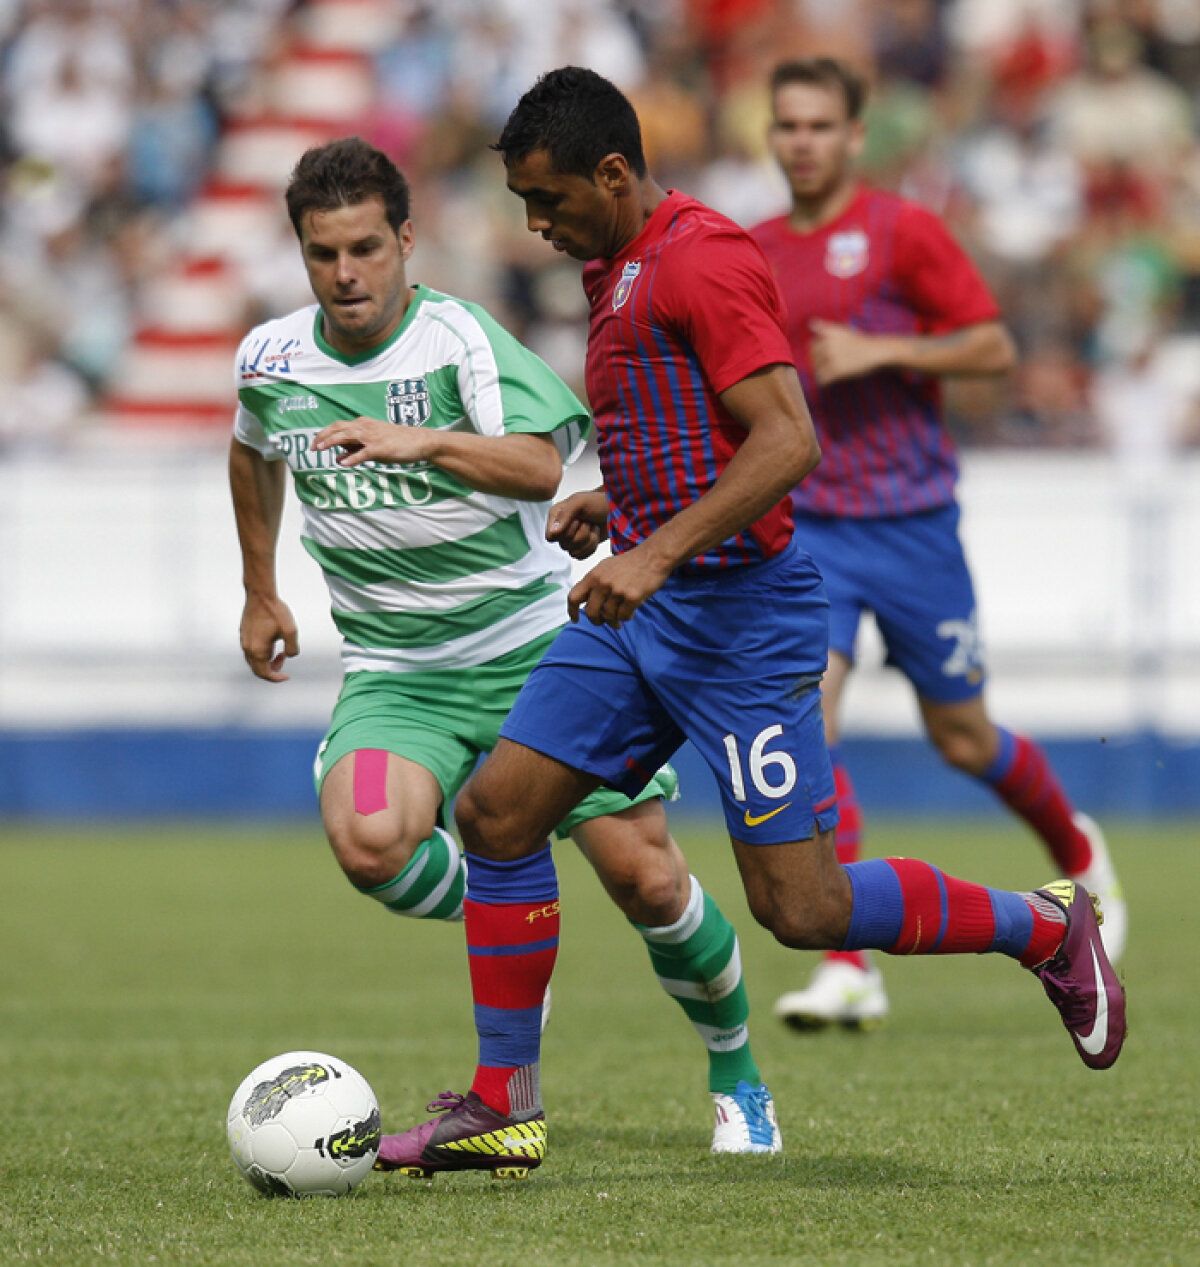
<point>1057,137</point>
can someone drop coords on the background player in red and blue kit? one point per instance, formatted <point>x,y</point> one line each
<point>882,302</point>
<point>708,623</point>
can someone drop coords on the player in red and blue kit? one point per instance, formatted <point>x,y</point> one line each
<point>708,623</point>
<point>882,302</point>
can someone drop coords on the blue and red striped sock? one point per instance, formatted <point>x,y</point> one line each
<point>511,915</point>
<point>1022,778</point>
<point>907,907</point>
<point>847,839</point>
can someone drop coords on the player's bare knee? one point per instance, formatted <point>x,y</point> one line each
<point>661,899</point>
<point>490,827</point>
<point>801,931</point>
<point>963,750</point>
<point>372,853</point>
<point>651,892</point>
<point>812,925</point>
<point>473,816</point>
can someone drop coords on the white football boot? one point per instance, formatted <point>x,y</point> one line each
<point>1101,879</point>
<point>838,994</point>
<point>745,1121</point>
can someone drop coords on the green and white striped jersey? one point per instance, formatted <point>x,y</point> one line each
<point>423,572</point>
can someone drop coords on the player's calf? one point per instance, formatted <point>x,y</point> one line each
<point>797,890</point>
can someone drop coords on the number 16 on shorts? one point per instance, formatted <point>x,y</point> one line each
<point>779,785</point>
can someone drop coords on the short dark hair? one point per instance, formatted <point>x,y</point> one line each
<point>824,72</point>
<point>344,173</point>
<point>577,117</point>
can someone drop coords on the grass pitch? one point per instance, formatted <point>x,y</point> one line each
<point>147,970</point>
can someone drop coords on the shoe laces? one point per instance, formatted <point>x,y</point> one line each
<point>754,1106</point>
<point>1075,1009</point>
<point>446,1102</point>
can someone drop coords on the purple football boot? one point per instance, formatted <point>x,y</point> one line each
<point>467,1136</point>
<point>1080,981</point>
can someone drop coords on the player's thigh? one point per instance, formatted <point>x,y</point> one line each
<point>641,867</point>
<point>376,802</point>
<point>606,802</point>
<point>833,684</point>
<point>394,753</point>
<point>924,605</point>
<point>768,753</point>
<point>739,667</point>
<point>588,705</point>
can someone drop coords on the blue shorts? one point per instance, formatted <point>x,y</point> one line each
<point>911,572</point>
<point>732,662</point>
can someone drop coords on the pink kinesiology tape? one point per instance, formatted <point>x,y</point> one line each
<point>370,780</point>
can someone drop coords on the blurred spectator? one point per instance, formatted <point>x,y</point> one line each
<point>1147,403</point>
<point>1052,405</point>
<point>1120,119</point>
<point>910,42</point>
<point>1127,282</point>
<point>77,121</point>
<point>900,120</point>
<point>1029,193</point>
<point>84,32</point>
<point>42,401</point>
<point>172,132</point>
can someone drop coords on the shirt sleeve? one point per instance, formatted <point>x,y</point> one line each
<point>506,388</point>
<point>937,276</point>
<point>249,431</point>
<point>247,427</point>
<point>723,297</point>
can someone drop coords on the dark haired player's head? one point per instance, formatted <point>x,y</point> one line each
<point>577,117</point>
<point>348,203</point>
<point>824,72</point>
<point>344,173</point>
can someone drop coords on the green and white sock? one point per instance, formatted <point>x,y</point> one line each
<point>698,962</point>
<point>433,883</point>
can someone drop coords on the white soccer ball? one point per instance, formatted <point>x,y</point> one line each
<point>304,1125</point>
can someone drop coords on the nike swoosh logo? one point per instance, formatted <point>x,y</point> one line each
<point>1093,1043</point>
<point>512,1141</point>
<point>753,820</point>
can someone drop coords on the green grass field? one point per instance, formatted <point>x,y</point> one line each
<point>146,971</point>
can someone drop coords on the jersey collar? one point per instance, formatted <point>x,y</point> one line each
<point>419,292</point>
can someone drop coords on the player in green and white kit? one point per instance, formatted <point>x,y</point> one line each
<point>424,444</point>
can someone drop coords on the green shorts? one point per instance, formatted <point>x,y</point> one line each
<point>446,719</point>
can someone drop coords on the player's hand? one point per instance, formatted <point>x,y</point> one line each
<point>579,523</point>
<point>372,440</point>
<point>839,352</point>
<point>269,637</point>
<point>615,588</point>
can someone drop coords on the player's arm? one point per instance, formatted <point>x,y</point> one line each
<point>268,630</point>
<point>780,449</point>
<point>841,352</point>
<point>523,465</point>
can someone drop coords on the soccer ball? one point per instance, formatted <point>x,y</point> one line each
<point>304,1125</point>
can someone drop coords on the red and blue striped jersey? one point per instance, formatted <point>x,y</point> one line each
<point>687,310</point>
<point>884,266</point>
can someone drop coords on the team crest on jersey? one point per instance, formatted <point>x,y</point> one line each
<point>408,402</point>
<point>847,253</point>
<point>624,286</point>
